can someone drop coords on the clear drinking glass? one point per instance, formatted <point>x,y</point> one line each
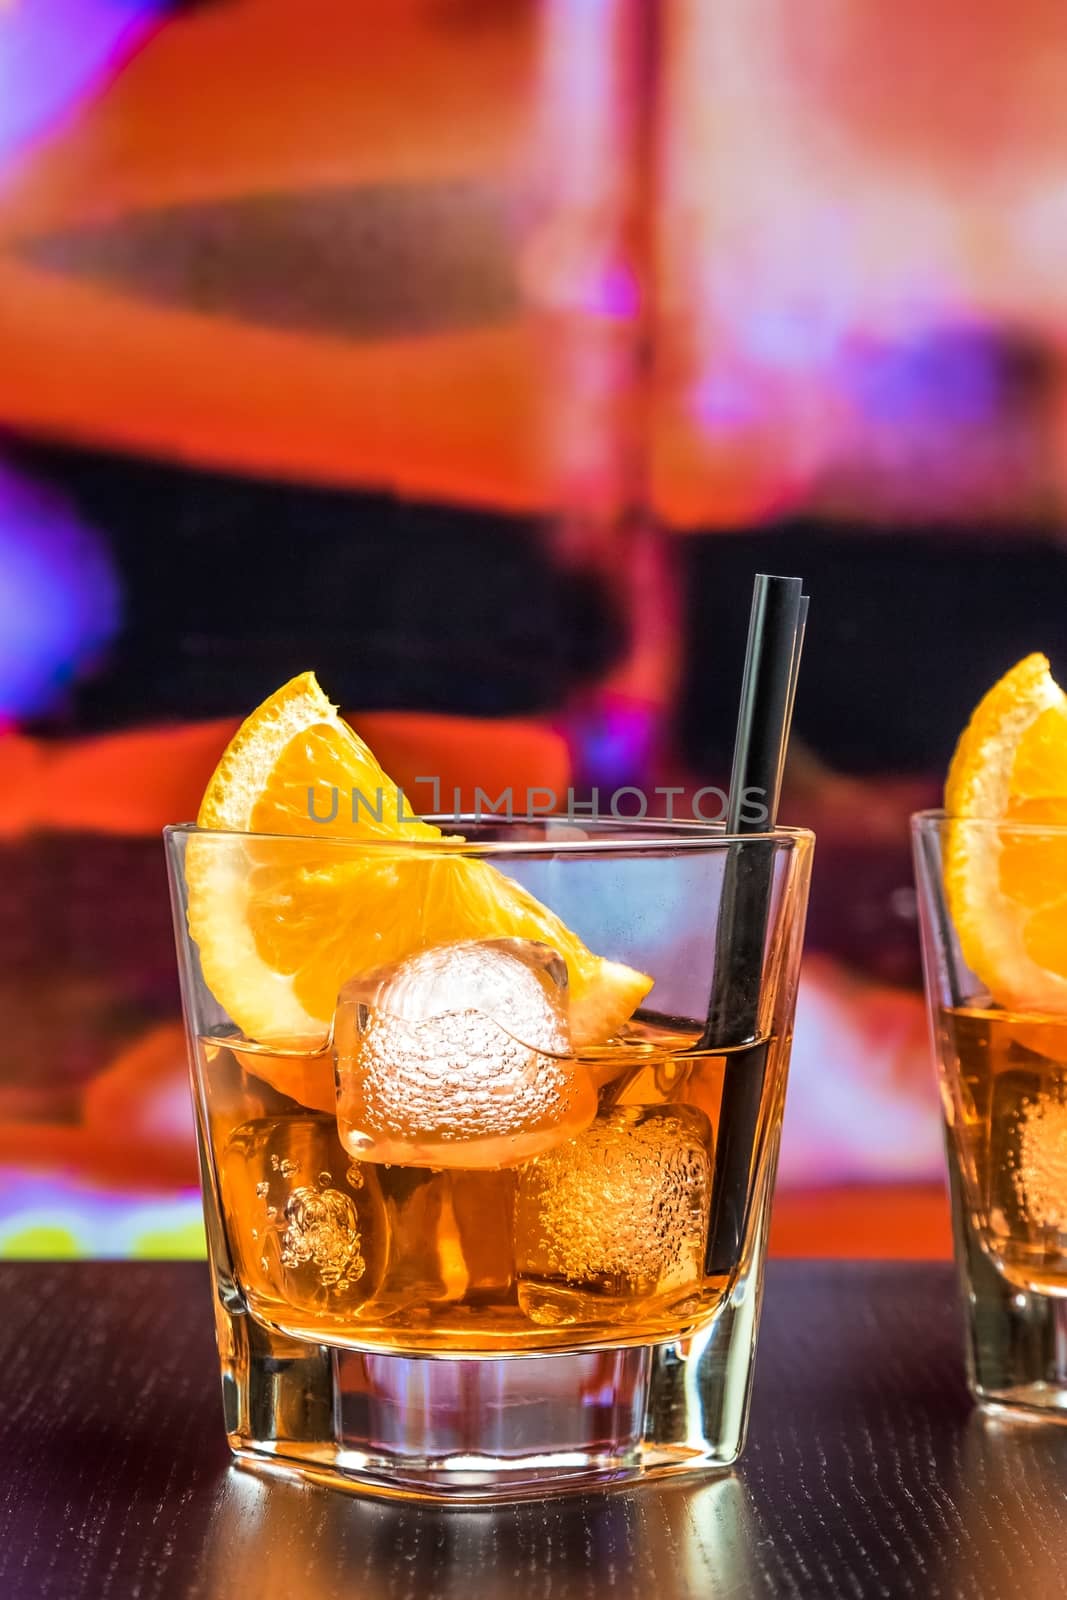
<point>1003,1079</point>
<point>557,1285</point>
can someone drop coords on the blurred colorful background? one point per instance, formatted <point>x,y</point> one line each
<point>477,353</point>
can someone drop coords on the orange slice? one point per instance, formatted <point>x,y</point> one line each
<point>281,922</point>
<point>1007,890</point>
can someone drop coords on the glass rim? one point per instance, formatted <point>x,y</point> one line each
<point>938,818</point>
<point>610,836</point>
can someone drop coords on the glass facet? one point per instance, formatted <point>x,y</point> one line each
<point>1003,1079</point>
<point>457,1255</point>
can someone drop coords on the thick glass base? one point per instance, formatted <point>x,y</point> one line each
<point>1031,1402</point>
<point>473,1430</point>
<point>1016,1337</point>
<point>1018,1349</point>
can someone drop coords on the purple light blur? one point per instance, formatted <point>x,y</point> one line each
<point>54,51</point>
<point>945,375</point>
<point>615,741</point>
<point>59,597</point>
<point>616,293</point>
<point>725,402</point>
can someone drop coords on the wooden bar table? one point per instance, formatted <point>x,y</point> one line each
<point>867,1473</point>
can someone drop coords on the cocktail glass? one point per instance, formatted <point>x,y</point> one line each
<point>457,1255</point>
<point>1002,1071</point>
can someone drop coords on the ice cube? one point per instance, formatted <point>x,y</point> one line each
<point>1040,1170</point>
<point>307,1225</point>
<point>457,1057</point>
<point>618,1214</point>
<point>451,1241</point>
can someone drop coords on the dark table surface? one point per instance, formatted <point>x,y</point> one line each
<point>867,1472</point>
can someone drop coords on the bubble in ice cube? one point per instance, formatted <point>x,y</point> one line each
<point>297,1237</point>
<point>322,1231</point>
<point>457,1057</point>
<point>1035,1140</point>
<point>621,1212</point>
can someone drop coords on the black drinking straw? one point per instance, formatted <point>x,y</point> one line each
<point>768,689</point>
